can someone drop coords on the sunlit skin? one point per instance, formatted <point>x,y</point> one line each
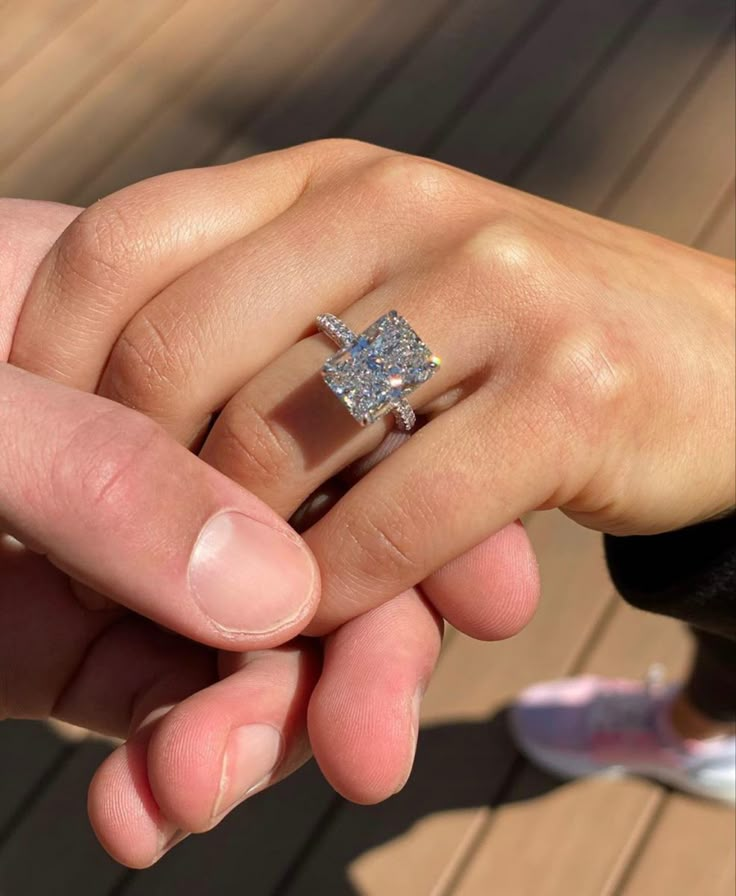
<point>585,366</point>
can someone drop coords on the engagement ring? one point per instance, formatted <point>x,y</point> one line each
<point>375,370</point>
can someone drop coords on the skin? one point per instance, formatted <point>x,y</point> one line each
<point>586,366</point>
<point>691,724</point>
<point>67,651</point>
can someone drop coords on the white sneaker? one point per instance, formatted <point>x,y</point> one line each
<point>592,726</point>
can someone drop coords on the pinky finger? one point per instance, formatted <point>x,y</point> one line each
<point>183,772</point>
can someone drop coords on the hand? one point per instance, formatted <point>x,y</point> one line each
<point>542,424</point>
<point>586,366</point>
<point>67,654</point>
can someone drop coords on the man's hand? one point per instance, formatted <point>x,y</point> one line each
<point>203,730</point>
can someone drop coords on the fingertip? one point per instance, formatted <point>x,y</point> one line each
<point>123,811</point>
<point>491,592</point>
<point>259,694</point>
<point>185,763</point>
<point>376,744</point>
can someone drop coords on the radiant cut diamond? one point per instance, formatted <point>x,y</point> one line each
<point>384,364</point>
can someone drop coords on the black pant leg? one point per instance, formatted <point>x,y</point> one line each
<point>690,575</point>
<point>711,685</point>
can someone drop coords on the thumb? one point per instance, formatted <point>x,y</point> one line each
<point>118,505</point>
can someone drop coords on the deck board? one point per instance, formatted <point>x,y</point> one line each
<point>195,128</point>
<point>704,837</point>
<point>521,100</point>
<point>334,81</point>
<point>161,67</point>
<point>696,155</point>
<point>472,43</point>
<point>529,91</point>
<point>27,27</point>
<point>583,160</point>
<point>56,828</point>
<point>601,820</point>
<point>28,753</point>
<point>84,52</point>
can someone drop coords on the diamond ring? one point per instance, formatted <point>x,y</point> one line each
<point>375,370</point>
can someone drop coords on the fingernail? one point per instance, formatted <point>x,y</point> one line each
<point>169,837</point>
<point>251,756</point>
<point>416,708</point>
<point>248,577</point>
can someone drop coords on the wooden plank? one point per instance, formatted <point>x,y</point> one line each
<point>250,851</point>
<point>344,72</point>
<point>57,829</point>
<point>536,85</point>
<point>578,837</point>
<point>28,752</point>
<point>406,844</point>
<point>552,839</point>
<point>582,160</point>
<point>26,26</point>
<point>703,835</point>
<point>684,176</point>
<point>126,98</point>
<point>103,34</point>
<point>195,123</point>
<point>468,46</point>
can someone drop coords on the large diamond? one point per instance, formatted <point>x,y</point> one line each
<point>385,363</point>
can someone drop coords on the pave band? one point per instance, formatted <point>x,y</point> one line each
<point>374,370</point>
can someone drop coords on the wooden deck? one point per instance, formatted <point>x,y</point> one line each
<point>622,108</point>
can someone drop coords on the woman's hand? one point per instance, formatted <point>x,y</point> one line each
<point>586,366</point>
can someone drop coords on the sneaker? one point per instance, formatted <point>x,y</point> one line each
<point>600,726</point>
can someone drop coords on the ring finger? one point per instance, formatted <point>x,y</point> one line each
<point>285,433</point>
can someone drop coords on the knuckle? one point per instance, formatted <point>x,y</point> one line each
<point>502,257</point>
<point>507,249</point>
<point>104,467</point>
<point>340,147</point>
<point>145,366</point>
<point>331,151</point>
<point>381,545</point>
<point>328,156</point>
<point>411,182</point>
<point>95,249</point>
<point>253,447</point>
<point>587,381</point>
